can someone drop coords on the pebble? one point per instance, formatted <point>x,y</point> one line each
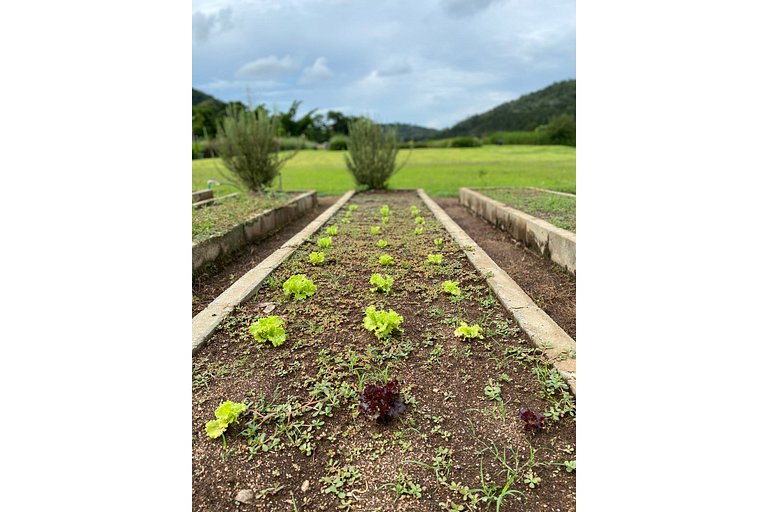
<point>305,486</point>
<point>245,496</point>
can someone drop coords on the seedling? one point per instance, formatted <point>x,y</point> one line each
<point>345,220</point>
<point>386,260</point>
<point>316,257</point>
<point>352,207</point>
<point>382,243</point>
<point>382,402</point>
<point>414,211</point>
<point>419,220</point>
<point>451,287</point>
<point>332,230</point>
<point>325,242</point>
<point>385,220</point>
<point>438,242</point>
<point>299,286</point>
<point>226,414</point>
<point>531,419</point>
<point>375,230</point>
<point>531,479</point>
<point>434,259</point>
<point>384,211</point>
<point>569,465</point>
<point>381,322</point>
<point>418,231</point>
<point>269,329</point>
<point>381,283</point>
<point>468,332</point>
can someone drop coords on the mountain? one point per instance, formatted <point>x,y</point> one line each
<point>412,131</point>
<point>524,113</point>
<point>199,97</point>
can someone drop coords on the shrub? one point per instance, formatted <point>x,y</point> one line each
<point>466,142</point>
<point>372,154</point>
<point>248,147</point>
<point>339,143</point>
<point>561,130</point>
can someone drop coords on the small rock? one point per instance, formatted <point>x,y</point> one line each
<point>245,496</point>
<point>305,486</point>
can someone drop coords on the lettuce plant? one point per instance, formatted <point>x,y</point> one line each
<point>332,230</point>
<point>352,207</point>
<point>382,283</point>
<point>384,210</point>
<point>375,230</point>
<point>468,332</point>
<point>269,329</point>
<point>434,259</point>
<point>382,243</point>
<point>386,260</point>
<point>385,220</point>
<point>438,242</point>
<point>382,402</point>
<point>418,231</point>
<point>316,257</point>
<point>451,287</point>
<point>414,211</point>
<point>531,419</point>
<point>345,221</point>
<point>226,414</point>
<point>419,220</point>
<point>324,243</point>
<point>381,322</point>
<point>299,286</point>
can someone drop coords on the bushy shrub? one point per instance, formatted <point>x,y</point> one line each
<point>295,143</point>
<point>466,142</point>
<point>249,149</point>
<point>339,143</point>
<point>561,130</point>
<point>518,137</point>
<point>372,153</point>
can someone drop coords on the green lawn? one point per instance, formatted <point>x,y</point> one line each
<point>439,172</point>
<point>558,210</point>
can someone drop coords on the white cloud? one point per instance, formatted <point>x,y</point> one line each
<point>394,69</point>
<point>464,8</point>
<point>266,68</point>
<point>318,72</point>
<point>203,25</point>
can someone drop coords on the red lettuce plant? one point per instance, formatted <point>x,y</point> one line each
<point>532,420</point>
<point>382,402</point>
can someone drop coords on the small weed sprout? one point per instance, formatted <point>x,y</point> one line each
<point>325,242</point>
<point>381,283</point>
<point>386,260</point>
<point>316,257</point>
<point>434,259</point>
<point>268,329</point>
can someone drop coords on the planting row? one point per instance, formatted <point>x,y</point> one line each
<point>375,366</point>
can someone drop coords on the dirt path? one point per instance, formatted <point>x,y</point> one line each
<point>209,285</point>
<point>550,287</point>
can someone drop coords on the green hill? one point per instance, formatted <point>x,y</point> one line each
<point>199,97</point>
<point>525,113</point>
<point>412,131</point>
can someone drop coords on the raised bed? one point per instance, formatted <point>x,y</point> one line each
<point>303,442</point>
<point>552,242</point>
<point>252,230</point>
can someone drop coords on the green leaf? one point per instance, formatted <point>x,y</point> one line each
<point>269,329</point>
<point>229,411</point>
<point>468,332</point>
<point>215,428</point>
<point>299,286</point>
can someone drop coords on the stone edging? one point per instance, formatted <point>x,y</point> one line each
<point>556,192</point>
<point>213,200</point>
<point>206,321</point>
<point>256,228</point>
<point>543,331</point>
<point>557,244</point>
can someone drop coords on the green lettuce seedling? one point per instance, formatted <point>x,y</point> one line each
<point>299,286</point>
<point>348,214</point>
<point>386,259</point>
<point>438,242</point>
<point>468,332</point>
<point>382,243</point>
<point>418,231</point>
<point>382,283</point>
<point>384,210</point>
<point>419,220</point>
<point>382,323</point>
<point>226,414</point>
<point>434,259</point>
<point>269,329</point>
<point>451,287</point>
<point>375,230</point>
<point>385,220</point>
<point>414,211</point>
<point>332,230</point>
<point>345,221</point>
<point>324,243</point>
<point>352,207</point>
<point>316,257</point>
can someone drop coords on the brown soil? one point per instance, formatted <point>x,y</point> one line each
<point>551,288</point>
<point>216,278</point>
<point>303,443</point>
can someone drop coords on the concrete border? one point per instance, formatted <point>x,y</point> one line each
<point>254,229</point>
<point>543,331</point>
<point>559,245</point>
<point>556,192</point>
<point>201,195</point>
<point>206,321</point>
<point>213,200</point>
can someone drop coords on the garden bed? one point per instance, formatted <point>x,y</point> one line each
<point>303,443</point>
<point>221,229</point>
<point>555,243</point>
<point>557,208</point>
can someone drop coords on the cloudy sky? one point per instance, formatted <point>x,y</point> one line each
<point>426,62</point>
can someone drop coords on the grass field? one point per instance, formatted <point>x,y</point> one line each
<point>558,210</point>
<point>440,172</point>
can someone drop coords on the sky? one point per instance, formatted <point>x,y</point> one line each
<point>427,62</point>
